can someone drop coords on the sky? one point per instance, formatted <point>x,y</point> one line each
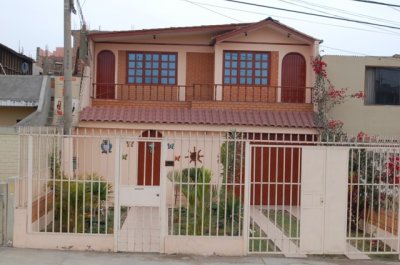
<point>27,24</point>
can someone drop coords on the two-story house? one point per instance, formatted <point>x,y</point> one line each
<point>254,78</point>
<point>249,76</point>
<point>159,131</point>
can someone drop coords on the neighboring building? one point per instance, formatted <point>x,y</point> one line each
<point>14,63</point>
<point>52,63</point>
<point>24,100</point>
<point>379,78</point>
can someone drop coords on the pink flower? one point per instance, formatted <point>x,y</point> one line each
<point>337,94</point>
<point>333,124</point>
<point>397,179</point>
<point>362,136</point>
<point>359,94</point>
<point>319,66</point>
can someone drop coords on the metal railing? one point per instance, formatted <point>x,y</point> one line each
<point>142,186</point>
<point>203,92</point>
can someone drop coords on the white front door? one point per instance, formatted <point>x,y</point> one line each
<point>312,199</point>
<point>139,195</point>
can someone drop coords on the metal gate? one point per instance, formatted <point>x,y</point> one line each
<point>275,184</point>
<point>373,201</point>
<point>138,201</point>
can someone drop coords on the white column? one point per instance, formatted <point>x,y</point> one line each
<point>337,166</point>
<point>312,199</point>
<point>116,192</point>
<point>163,198</point>
<point>246,202</point>
<point>29,184</point>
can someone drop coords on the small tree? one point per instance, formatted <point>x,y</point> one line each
<point>195,184</point>
<point>77,202</point>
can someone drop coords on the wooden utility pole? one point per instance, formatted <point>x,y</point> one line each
<point>67,67</point>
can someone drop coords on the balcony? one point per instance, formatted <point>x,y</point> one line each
<point>206,95</point>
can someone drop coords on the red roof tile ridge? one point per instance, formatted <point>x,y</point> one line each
<point>199,116</point>
<point>166,29</point>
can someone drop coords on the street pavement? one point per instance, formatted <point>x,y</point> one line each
<point>14,256</point>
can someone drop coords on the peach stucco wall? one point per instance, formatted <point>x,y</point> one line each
<point>265,39</point>
<point>120,50</point>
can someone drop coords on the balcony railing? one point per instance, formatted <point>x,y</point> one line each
<point>203,92</point>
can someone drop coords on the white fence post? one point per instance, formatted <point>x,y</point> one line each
<point>312,199</point>
<point>163,198</point>
<point>337,167</point>
<point>116,192</point>
<point>246,202</point>
<point>29,184</point>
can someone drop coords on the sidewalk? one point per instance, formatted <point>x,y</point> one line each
<point>13,256</point>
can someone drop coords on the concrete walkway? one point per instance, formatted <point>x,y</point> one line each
<point>13,256</point>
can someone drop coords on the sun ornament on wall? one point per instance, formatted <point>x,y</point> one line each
<point>195,156</point>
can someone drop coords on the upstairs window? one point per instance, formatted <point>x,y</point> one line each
<point>246,68</point>
<point>152,68</point>
<point>382,86</point>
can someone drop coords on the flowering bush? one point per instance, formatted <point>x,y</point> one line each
<point>319,66</point>
<point>391,170</point>
<point>374,180</point>
<point>325,97</point>
<point>337,95</point>
<point>359,94</point>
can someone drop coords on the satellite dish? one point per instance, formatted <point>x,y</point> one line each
<point>24,67</point>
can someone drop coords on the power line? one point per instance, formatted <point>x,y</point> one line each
<point>340,11</point>
<point>387,32</point>
<point>351,13</point>
<point>346,51</point>
<point>376,3</point>
<point>193,3</point>
<point>361,54</point>
<point>394,8</point>
<point>313,14</point>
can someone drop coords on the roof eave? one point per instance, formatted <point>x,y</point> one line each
<point>146,32</point>
<point>262,23</point>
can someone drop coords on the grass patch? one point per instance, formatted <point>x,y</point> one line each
<point>183,222</point>
<point>369,244</point>
<point>258,240</point>
<point>286,222</point>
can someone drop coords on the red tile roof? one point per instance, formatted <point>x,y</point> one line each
<point>263,23</point>
<point>228,30</point>
<point>289,119</point>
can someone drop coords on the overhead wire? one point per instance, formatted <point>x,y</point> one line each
<point>200,4</point>
<point>313,14</point>
<point>346,51</point>
<point>376,3</point>
<point>338,10</point>
<point>303,20</point>
<point>352,13</point>
<point>395,8</point>
<point>193,3</point>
